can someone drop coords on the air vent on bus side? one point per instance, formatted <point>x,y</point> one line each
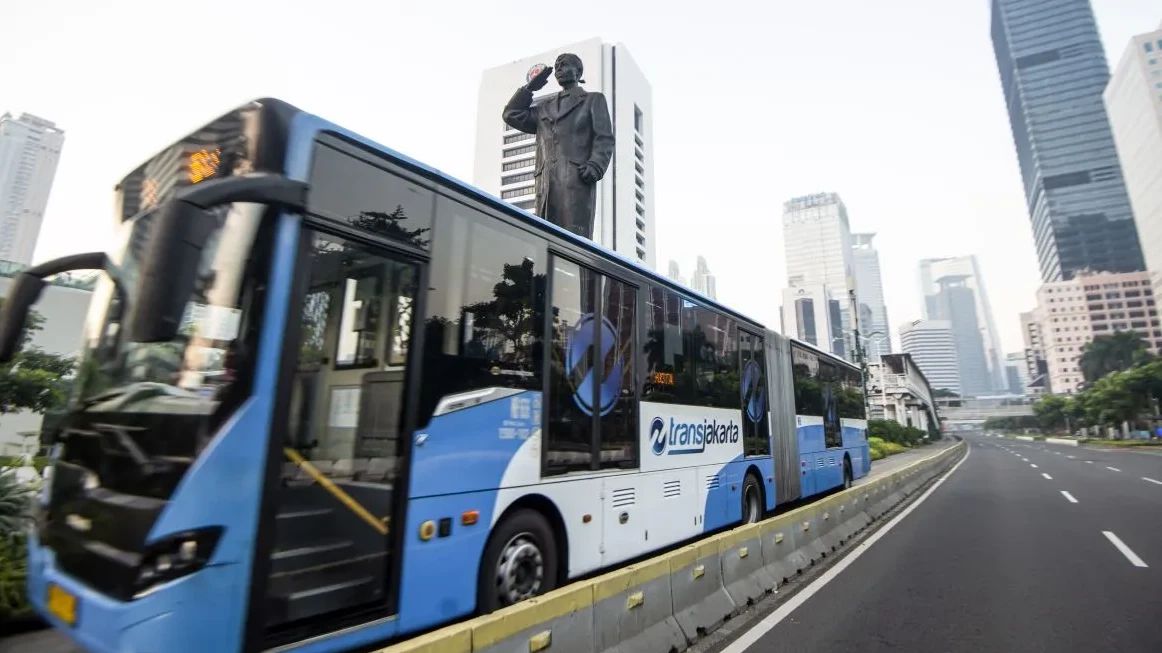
<point>624,497</point>
<point>671,489</point>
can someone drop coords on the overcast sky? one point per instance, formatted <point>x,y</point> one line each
<point>893,104</point>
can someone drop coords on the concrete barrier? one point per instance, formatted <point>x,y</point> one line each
<point>701,603</point>
<point>1065,441</point>
<point>633,609</point>
<point>1026,438</point>
<point>668,602</point>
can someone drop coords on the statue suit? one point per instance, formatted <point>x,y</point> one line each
<point>573,133</point>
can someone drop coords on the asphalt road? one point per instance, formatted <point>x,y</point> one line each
<point>1024,547</point>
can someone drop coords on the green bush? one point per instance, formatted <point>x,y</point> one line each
<point>16,461</point>
<point>891,431</point>
<point>15,502</point>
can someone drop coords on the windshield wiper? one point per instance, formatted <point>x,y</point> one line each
<point>138,391</point>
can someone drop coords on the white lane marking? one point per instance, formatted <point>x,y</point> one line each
<point>1047,477</point>
<point>1126,551</point>
<point>1068,496</point>
<point>1113,469</point>
<point>1072,457</point>
<point>1057,452</point>
<point>1090,462</point>
<point>1033,465</point>
<point>747,639</point>
<point>1024,459</point>
<point>1146,478</point>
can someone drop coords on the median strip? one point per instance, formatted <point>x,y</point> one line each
<point>1126,551</point>
<point>1068,496</point>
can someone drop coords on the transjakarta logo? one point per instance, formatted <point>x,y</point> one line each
<point>689,437</point>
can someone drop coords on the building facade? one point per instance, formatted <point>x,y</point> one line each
<point>704,281</point>
<point>955,303</point>
<point>1133,100</point>
<point>505,159</point>
<point>1036,367</point>
<point>1016,373</point>
<point>961,273</point>
<point>30,148</point>
<point>932,346</point>
<point>1070,314</point>
<point>1053,71</point>
<point>675,273</point>
<point>818,244</point>
<point>810,314</point>
<point>869,283</point>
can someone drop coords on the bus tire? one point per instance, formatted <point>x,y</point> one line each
<point>848,477</point>
<point>520,561</point>
<point>752,500</point>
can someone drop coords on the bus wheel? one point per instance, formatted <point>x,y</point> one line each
<point>519,562</point>
<point>752,500</point>
<point>847,476</point>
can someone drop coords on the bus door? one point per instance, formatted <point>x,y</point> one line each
<point>332,557</point>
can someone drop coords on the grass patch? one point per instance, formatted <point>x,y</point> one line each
<point>881,448</point>
<point>1122,444</point>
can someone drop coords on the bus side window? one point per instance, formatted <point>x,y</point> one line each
<point>832,387</point>
<point>753,393</point>
<point>486,306</point>
<point>666,374</point>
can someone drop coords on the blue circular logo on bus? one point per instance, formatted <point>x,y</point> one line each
<point>658,436</point>
<point>754,395</point>
<point>580,368</point>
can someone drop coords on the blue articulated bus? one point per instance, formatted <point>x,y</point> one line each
<point>330,397</point>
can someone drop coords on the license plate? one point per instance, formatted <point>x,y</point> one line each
<point>62,604</point>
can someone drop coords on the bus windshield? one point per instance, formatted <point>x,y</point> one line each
<point>159,401</point>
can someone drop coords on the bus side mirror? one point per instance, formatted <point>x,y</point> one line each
<point>169,266</point>
<point>168,270</point>
<point>25,291</point>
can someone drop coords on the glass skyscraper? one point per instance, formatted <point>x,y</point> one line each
<point>1053,70</point>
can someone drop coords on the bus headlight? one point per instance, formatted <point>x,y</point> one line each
<point>175,556</point>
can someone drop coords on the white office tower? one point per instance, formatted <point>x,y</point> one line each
<point>873,321</point>
<point>817,240</point>
<point>1133,100</point>
<point>703,281</point>
<point>810,314</point>
<point>506,158</point>
<point>1016,373</point>
<point>944,286</point>
<point>29,150</point>
<point>932,346</point>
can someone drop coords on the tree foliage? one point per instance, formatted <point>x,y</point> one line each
<point>1112,353</point>
<point>34,379</point>
<point>1128,395</point>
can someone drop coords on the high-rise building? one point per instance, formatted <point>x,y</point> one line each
<point>1016,373</point>
<point>873,322</point>
<point>29,150</point>
<point>954,302</point>
<point>506,159</point>
<point>966,271</point>
<point>933,348</point>
<point>703,281</point>
<point>675,273</point>
<point>1070,314</point>
<point>1036,367</point>
<point>810,314</point>
<point>817,240</point>
<point>1133,100</point>
<point>1053,71</point>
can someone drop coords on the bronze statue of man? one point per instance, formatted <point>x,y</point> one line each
<point>574,143</point>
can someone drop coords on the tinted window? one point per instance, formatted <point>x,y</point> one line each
<point>667,375</point>
<point>808,388</point>
<point>617,396</point>
<point>569,444</point>
<point>851,404</point>
<point>485,309</point>
<point>832,389</point>
<point>753,394</point>
<point>351,189</point>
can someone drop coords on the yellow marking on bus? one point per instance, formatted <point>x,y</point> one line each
<point>336,491</point>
